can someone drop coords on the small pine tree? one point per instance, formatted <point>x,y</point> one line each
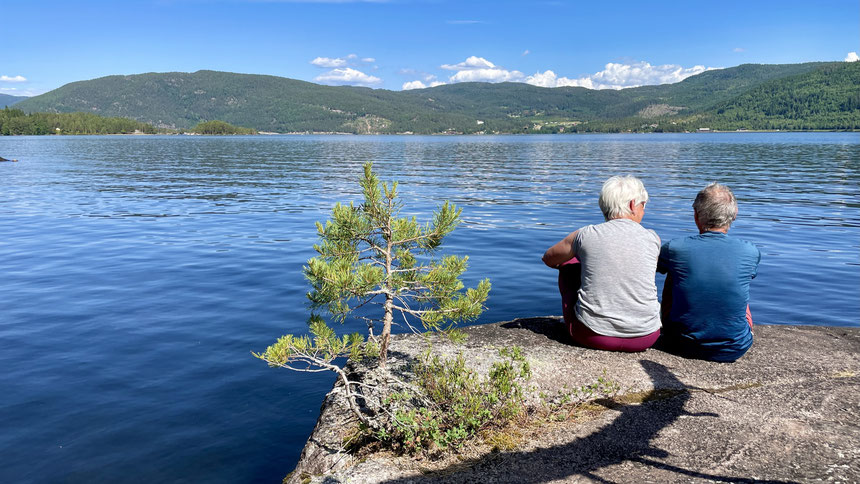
<point>368,254</point>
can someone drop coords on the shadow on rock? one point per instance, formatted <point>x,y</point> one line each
<point>626,439</point>
<point>552,328</point>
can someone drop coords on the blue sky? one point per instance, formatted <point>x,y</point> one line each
<point>399,44</point>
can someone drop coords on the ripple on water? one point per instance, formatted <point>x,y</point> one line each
<point>139,273</point>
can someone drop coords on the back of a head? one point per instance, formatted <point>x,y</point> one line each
<point>616,194</point>
<point>716,206</point>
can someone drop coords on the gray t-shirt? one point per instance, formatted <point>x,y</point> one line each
<point>618,296</point>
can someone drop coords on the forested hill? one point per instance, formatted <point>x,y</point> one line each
<point>829,96</point>
<point>7,100</point>
<point>267,103</point>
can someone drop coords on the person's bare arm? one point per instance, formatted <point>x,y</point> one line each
<point>561,252</point>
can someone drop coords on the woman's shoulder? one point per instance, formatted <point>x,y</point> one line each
<point>637,228</point>
<point>588,230</point>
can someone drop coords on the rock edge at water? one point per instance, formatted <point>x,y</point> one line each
<point>788,411</point>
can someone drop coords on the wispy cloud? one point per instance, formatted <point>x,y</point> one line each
<point>14,91</point>
<point>526,52</point>
<point>738,49</point>
<point>349,60</point>
<point>13,79</point>
<point>328,62</point>
<point>464,22</point>
<point>344,71</point>
<point>348,76</point>
<point>318,1</point>
<point>852,57</point>
<point>620,76</point>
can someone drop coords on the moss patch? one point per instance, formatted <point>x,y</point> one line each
<point>504,440</point>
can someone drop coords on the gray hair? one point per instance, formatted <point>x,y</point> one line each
<point>716,206</point>
<point>616,194</point>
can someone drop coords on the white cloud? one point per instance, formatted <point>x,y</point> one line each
<point>328,62</point>
<point>428,80</point>
<point>472,62</point>
<point>478,69</point>
<point>852,57</point>
<point>413,85</point>
<point>526,52</point>
<point>339,63</point>
<point>348,76</point>
<point>546,79</point>
<point>738,49</point>
<point>620,76</point>
<point>13,79</point>
<point>613,76</point>
<point>420,85</point>
<point>486,75</point>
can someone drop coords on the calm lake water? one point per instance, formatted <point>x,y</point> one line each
<point>138,273</point>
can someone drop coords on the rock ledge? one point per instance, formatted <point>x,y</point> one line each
<point>788,411</point>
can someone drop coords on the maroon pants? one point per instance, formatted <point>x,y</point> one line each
<point>569,281</point>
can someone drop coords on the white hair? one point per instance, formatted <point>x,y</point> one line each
<point>616,194</point>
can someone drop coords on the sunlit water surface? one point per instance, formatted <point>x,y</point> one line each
<point>138,273</point>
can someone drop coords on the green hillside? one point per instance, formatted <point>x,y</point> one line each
<point>268,103</point>
<point>709,88</point>
<point>828,97</point>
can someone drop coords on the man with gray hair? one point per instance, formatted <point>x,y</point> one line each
<point>705,308</point>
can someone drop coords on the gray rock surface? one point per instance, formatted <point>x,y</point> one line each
<point>788,411</point>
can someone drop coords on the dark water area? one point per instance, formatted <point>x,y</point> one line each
<point>138,273</point>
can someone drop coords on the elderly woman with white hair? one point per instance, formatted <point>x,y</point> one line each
<point>606,273</point>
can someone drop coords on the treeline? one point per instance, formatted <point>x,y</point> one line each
<point>827,98</point>
<point>220,128</point>
<point>820,96</point>
<point>16,122</point>
<point>269,103</point>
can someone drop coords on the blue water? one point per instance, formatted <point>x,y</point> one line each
<point>138,273</point>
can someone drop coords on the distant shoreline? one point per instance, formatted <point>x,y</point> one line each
<point>331,133</point>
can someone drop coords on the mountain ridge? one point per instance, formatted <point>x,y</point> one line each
<point>8,100</point>
<point>268,103</point>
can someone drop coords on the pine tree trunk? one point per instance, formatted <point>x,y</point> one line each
<point>386,331</point>
<point>389,297</point>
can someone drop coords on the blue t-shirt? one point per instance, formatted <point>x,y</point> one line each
<point>710,276</point>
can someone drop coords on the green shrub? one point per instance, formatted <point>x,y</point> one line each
<point>457,403</point>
